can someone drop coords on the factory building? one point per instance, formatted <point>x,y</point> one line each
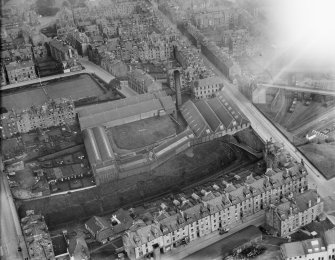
<point>100,154</point>
<point>125,111</point>
<point>96,119</point>
<point>213,118</point>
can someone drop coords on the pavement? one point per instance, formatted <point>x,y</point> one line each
<point>11,233</point>
<point>38,80</point>
<point>202,243</point>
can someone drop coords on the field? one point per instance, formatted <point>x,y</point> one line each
<point>76,87</point>
<point>142,133</point>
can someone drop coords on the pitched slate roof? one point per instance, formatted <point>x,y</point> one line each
<point>209,115</point>
<point>194,119</point>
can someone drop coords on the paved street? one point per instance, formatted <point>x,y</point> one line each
<point>265,129</point>
<point>11,234</point>
<point>182,252</point>
<point>301,89</point>
<point>36,81</point>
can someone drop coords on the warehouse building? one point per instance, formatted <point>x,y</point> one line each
<point>213,118</point>
<point>95,119</point>
<point>100,154</point>
<point>125,111</point>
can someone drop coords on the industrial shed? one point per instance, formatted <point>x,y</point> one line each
<point>214,117</point>
<point>210,116</point>
<point>130,110</point>
<point>175,145</point>
<point>100,154</point>
<point>98,108</point>
<point>95,119</point>
<point>220,111</point>
<point>194,119</point>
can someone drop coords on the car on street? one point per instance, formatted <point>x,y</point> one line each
<point>223,231</point>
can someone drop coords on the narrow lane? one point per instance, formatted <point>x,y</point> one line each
<point>11,234</point>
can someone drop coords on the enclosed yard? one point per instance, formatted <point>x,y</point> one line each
<point>76,87</point>
<point>142,133</point>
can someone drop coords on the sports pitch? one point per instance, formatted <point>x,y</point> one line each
<point>77,87</point>
<point>142,133</point>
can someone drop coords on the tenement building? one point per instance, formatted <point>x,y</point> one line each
<point>142,82</point>
<point>206,88</point>
<point>294,212</point>
<point>187,217</point>
<point>164,224</point>
<point>61,51</point>
<point>53,113</point>
<point>37,237</point>
<point>20,71</point>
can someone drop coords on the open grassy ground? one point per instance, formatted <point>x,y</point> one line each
<point>23,99</point>
<point>322,156</point>
<point>142,133</point>
<point>79,87</point>
<point>76,87</point>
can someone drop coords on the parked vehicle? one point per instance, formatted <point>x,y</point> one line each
<point>223,231</point>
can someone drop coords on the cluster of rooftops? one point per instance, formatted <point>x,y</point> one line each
<point>175,211</point>
<point>210,116</point>
<point>114,111</point>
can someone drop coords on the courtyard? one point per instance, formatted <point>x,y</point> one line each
<point>142,133</point>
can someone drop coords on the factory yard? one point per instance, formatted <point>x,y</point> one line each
<point>142,133</point>
<point>76,87</point>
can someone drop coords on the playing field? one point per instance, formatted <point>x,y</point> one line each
<point>142,133</point>
<point>76,87</point>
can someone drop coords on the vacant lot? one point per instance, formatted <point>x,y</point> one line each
<point>142,133</point>
<point>77,87</point>
<point>322,156</point>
